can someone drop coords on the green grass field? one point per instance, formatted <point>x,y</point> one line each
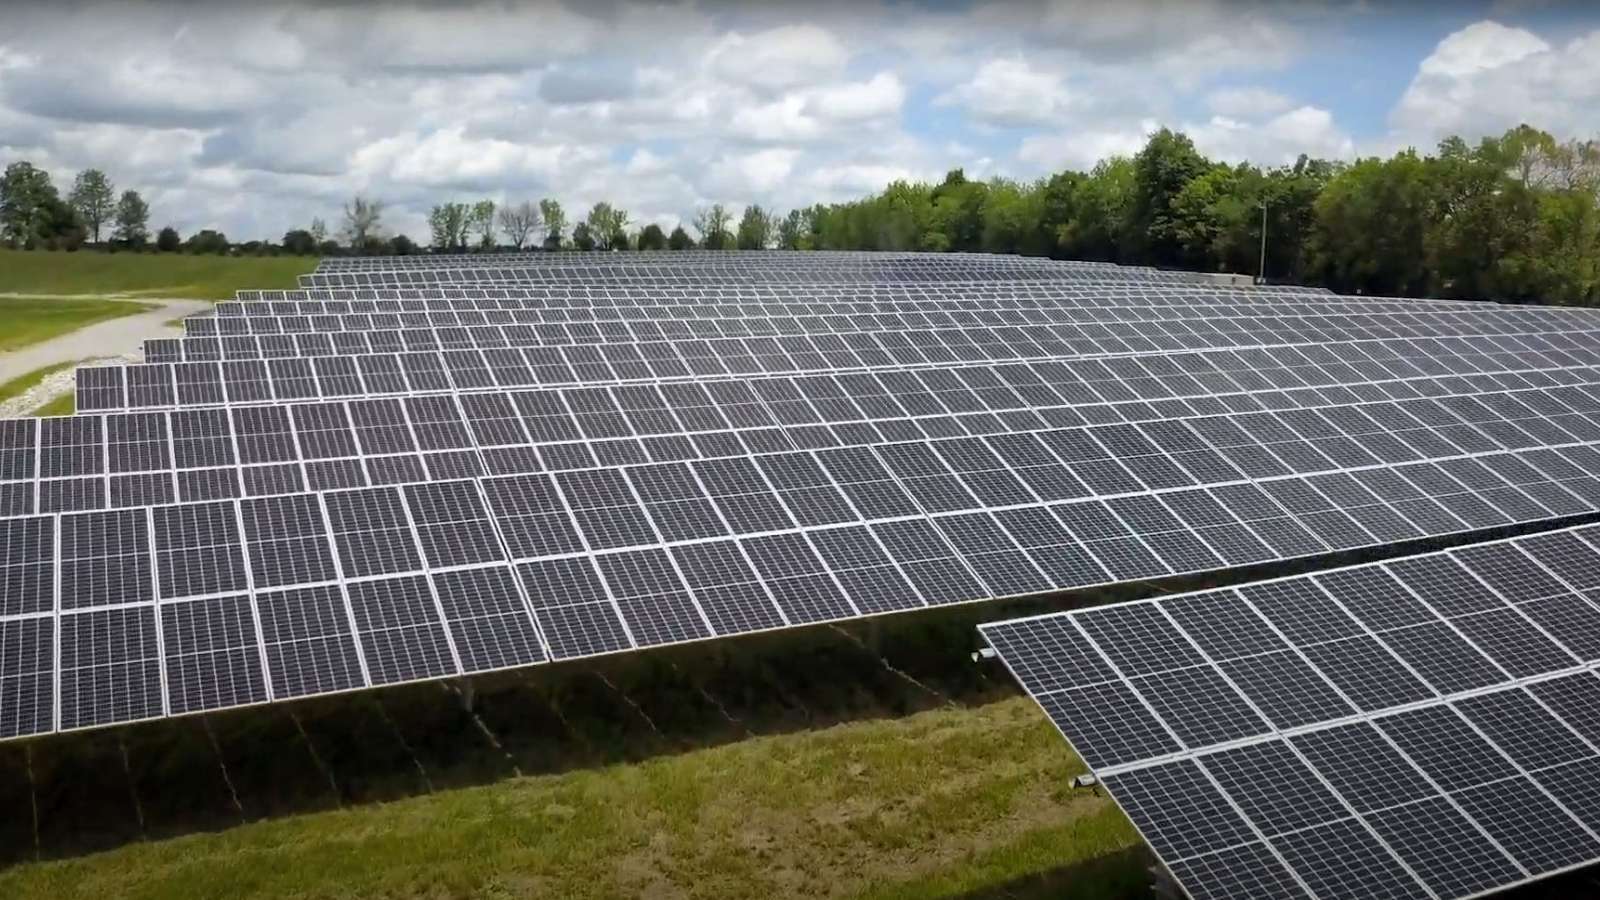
<point>16,386</point>
<point>64,405</point>
<point>954,802</point>
<point>164,274</point>
<point>29,320</point>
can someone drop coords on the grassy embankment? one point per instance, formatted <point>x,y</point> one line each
<point>951,802</point>
<point>27,320</point>
<point>150,274</point>
<point>55,293</point>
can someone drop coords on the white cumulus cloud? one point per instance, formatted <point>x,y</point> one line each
<point>1488,77</point>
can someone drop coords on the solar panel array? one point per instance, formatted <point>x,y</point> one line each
<point>1423,727</point>
<point>336,488</point>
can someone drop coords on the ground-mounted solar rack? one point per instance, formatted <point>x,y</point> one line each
<point>892,272</point>
<point>1427,726</point>
<point>491,543</point>
<point>273,316</point>
<point>1063,435</point>
<point>937,341</point>
<point>195,607</point>
<point>639,292</point>
<point>599,534</point>
<point>156,385</point>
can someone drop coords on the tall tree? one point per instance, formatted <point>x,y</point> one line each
<point>605,223</point>
<point>755,228</point>
<point>712,223</point>
<point>1167,163</point>
<point>207,241</point>
<point>448,225</point>
<point>555,223</point>
<point>168,241</point>
<point>956,221</point>
<point>1371,227</point>
<point>299,242</point>
<point>363,220</point>
<point>25,195</point>
<point>94,199</point>
<point>651,237</point>
<point>519,221</point>
<point>319,231</point>
<point>483,223</point>
<point>794,231</point>
<point>679,239</point>
<point>1100,224</point>
<point>583,237</point>
<point>132,219</point>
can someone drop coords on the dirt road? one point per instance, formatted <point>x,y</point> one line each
<point>120,337</point>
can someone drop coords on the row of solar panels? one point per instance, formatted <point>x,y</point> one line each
<point>811,260</point>
<point>889,272</point>
<point>1109,342</point>
<point>512,570</point>
<point>1427,726</point>
<point>924,340</point>
<point>665,306</point>
<point>192,383</point>
<point>631,292</point>
<point>231,314</point>
<point>246,316</point>
<point>974,422</point>
<point>811,266</point>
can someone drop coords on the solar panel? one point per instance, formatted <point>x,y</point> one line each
<point>552,457</point>
<point>1417,727</point>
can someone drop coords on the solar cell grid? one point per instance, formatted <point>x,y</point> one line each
<point>1417,772</point>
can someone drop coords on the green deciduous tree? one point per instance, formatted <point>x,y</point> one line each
<point>712,223</point>
<point>606,225</point>
<point>449,225</point>
<point>1371,227</point>
<point>168,241</point>
<point>679,239</point>
<point>1167,163</point>
<point>794,230</point>
<point>298,241</point>
<point>481,221</point>
<point>26,198</point>
<point>583,237</point>
<point>555,223</point>
<point>651,237</point>
<point>755,229</point>
<point>94,199</point>
<point>132,220</point>
<point>207,241</point>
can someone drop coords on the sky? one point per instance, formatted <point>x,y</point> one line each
<point>255,118</point>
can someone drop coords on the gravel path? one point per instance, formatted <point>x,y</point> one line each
<point>114,340</point>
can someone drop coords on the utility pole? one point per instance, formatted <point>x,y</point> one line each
<point>1261,271</point>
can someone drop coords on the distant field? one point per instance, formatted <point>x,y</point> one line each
<point>164,274</point>
<point>29,320</point>
<point>953,802</point>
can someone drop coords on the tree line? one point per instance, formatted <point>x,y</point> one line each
<point>33,214</point>
<point>1514,218</point>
